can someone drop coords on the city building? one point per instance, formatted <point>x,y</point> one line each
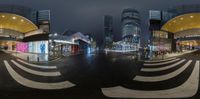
<point>22,30</point>
<point>175,29</point>
<point>108,31</point>
<point>131,30</point>
<point>67,43</point>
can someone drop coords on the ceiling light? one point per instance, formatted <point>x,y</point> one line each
<point>181,29</point>
<point>3,16</point>
<point>191,16</point>
<point>14,18</point>
<point>181,18</point>
<point>22,20</point>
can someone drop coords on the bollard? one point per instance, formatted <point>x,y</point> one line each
<point>27,58</point>
<point>38,59</point>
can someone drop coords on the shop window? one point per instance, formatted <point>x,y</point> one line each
<point>160,34</point>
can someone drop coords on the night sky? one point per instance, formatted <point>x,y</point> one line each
<point>87,15</point>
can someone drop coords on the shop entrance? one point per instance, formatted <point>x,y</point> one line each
<point>188,45</point>
<point>8,45</point>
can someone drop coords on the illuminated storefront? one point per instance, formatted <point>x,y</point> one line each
<point>61,45</point>
<point>161,41</point>
<point>8,45</point>
<point>24,30</point>
<point>179,22</point>
<point>186,36</point>
<point>38,47</point>
<point>32,47</point>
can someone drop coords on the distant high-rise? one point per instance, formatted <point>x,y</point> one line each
<point>108,30</point>
<point>44,20</point>
<point>131,27</point>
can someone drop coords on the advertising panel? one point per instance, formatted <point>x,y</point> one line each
<point>33,47</point>
<point>22,47</point>
<point>38,47</point>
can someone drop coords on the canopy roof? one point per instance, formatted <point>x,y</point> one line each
<point>16,23</point>
<point>182,22</point>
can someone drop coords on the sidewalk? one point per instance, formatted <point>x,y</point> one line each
<point>32,57</point>
<point>169,55</point>
<point>29,56</point>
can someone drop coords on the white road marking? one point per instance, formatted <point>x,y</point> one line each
<point>37,66</point>
<point>168,59</point>
<point>186,90</point>
<point>162,77</point>
<point>163,63</point>
<point>162,68</point>
<point>40,73</point>
<point>37,85</point>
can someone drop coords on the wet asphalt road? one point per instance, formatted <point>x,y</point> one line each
<point>89,73</point>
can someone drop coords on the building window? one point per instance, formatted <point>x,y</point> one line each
<point>160,34</point>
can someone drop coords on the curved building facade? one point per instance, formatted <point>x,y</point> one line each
<point>131,28</point>
<point>20,27</point>
<point>181,22</point>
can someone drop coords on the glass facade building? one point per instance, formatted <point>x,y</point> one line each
<point>108,31</point>
<point>131,28</point>
<point>180,22</point>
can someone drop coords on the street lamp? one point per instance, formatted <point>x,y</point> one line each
<point>50,35</point>
<point>55,34</point>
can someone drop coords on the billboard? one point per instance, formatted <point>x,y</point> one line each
<point>33,47</point>
<point>22,47</point>
<point>38,47</point>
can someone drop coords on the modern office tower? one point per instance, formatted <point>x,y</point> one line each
<point>131,28</point>
<point>108,31</point>
<point>43,18</point>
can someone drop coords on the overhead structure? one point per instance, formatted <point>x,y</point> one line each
<point>16,23</point>
<point>182,23</point>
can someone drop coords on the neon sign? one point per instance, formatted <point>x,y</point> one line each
<point>22,47</point>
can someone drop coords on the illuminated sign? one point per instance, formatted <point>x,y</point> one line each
<point>38,47</point>
<point>22,47</point>
<point>42,47</point>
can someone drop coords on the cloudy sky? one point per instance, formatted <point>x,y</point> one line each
<point>87,15</point>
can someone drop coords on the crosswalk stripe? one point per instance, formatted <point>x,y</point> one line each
<point>154,61</point>
<point>162,77</point>
<point>186,90</point>
<point>37,85</point>
<point>162,68</point>
<point>163,63</point>
<point>37,66</point>
<point>40,73</point>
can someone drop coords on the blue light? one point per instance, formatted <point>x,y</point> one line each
<point>88,50</point>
